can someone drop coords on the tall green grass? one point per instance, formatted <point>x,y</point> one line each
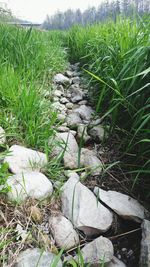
<point>28,60</point>
<point>116,57</point>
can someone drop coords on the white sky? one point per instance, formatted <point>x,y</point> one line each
<point>36,10</point>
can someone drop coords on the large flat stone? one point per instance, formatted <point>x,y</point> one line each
<point>63,232</point>
<point>36,258</point>
<point>21,159</point>
<point>123,205</point>
<point>30,184</point>
<point>98,251</point>
<point>81,207</point>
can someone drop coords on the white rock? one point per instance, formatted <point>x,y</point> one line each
<point>61,79</point>
<point>61,117</point>
<point>73,132</point>
<point>82,132</point>
<point>70,173</point>
<point>91,161</point>
<point>36,257</point>
<point>76,93</point>
<point>76,80</point>
<point>73,119</point>
<point>75,66</point>
<point>81,207</point>
<point>2,136</point>
<point>57,93</point>
<point>69,105</point>
<point>63,129</point>
<point>30,184</point>
<point>98,251</point>
<point>64,100</point>
<point>145,245</point>
<point>69,147</point>
<point>63,232</point>
<point>59,107</point>
<point>97,132</point>
<point>115,263</point>
<point>125,206</point>
<point>69,73</point>
<point>85,112</point>
<point>55,99</point>
<point>60,88</point>
<point>21,159</point>
<point>68,95</point>
<point>83,102</point>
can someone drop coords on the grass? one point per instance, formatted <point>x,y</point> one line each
<point>28,59</point>
<point>116,59</point>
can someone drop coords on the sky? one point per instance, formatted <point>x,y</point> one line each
<point>36,10</point>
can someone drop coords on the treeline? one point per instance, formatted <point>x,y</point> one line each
<point>64,20</point>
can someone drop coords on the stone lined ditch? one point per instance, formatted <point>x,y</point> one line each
<point>105,224</point>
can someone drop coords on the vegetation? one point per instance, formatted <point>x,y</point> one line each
<point>116,56</point>
<point>28,60</point>
<point>106,10</point>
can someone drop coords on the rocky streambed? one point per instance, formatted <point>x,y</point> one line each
<point>110,227</point>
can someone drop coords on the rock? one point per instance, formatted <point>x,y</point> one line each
<point>29,184</point>
<point>69,73</point>
<point>69,105</point>
<point>91,161</point>
<point>69,146</point>
<point>63,129</point>
<point>95,122</point>
<point>60,88</point>
<point>2,136</point>
<point>73,119</point>
<point>76,80</point>
<point>36,257</point>
<point>98,251</point>
<point>75,66</point>
<point>81,207</point>
<point>125,206</point>
<point>85,112</point>
<point>115,263</point>
<point>64,100</point>
<point>82,133</point>
<point>83,102</point>
<point>145,245</point>
<point>55,99</point>
<point>57,93</point>
<point>97,133</point>
<point>73,132</point>
<point>68,95</point>
<point>63,233</point>
<point>21,159</point>
<point>61,117</point>
<point>76,93</point>
<point>61,79</point>
<point>59,107</point>
<point>73,174</point>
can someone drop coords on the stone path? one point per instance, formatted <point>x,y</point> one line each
<point>92,213</point>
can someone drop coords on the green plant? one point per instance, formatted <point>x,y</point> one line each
<point>4,174</point>
<point>116,58</point>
